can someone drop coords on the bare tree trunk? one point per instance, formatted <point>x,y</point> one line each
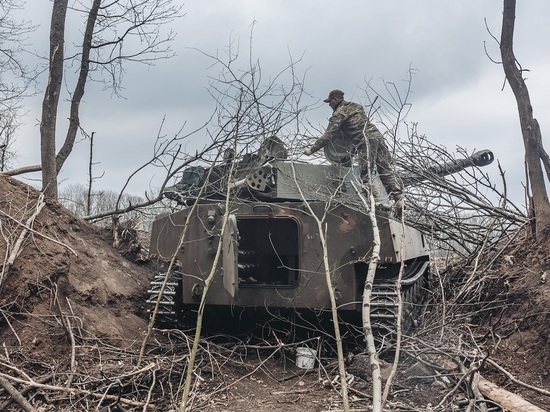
<point>23,170</point>
<point>207,282</point>
<point>508,400</point>
<point>74,119</point>
<point>331,291</point>
<point>334,311</point>
<point>532,139</point>
<point>90,177</point>
<point>51,99</point>
<point>367,296</point>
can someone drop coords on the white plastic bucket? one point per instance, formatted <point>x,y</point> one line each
<point>305,357</point>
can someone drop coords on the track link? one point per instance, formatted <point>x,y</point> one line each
<point>169,301</point>
<point>384,299</point>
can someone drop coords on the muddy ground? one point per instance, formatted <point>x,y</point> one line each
<point>73,318</point>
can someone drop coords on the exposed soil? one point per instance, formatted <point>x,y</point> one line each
<point>73,316</point>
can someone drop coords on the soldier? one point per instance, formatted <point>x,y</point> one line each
<point>349,121</point>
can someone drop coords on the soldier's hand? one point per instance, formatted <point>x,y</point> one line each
<point>307,151</point>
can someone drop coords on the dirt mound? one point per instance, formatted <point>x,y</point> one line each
<point>498,303</point>
<point>63,265</point>
<point>517,334</point>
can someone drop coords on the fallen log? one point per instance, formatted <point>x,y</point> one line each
<point>16,395</point>
<point>508,400</point>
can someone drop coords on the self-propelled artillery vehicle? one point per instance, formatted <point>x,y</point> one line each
<point>271,251</point>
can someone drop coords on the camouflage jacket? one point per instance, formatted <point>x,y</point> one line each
<point>348,120</point>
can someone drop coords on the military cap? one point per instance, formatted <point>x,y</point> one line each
<point>335,93</point>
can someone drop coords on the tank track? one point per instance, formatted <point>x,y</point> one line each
<point>384,302</point>
<point>384,299</point>
<point>170,303</point>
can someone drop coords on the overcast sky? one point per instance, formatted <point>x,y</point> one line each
<point>457,97</point>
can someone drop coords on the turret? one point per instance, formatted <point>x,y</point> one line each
<point>267,175</point>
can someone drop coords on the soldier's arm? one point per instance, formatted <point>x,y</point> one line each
<point>334,124</point>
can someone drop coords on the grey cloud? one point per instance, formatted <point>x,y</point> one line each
<point>342,44</point>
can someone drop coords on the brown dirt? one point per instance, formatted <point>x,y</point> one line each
<point>69,271</point>
<point>518,333</point>
<point>104,290</point>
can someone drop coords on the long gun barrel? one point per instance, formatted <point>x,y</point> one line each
<point>478,159</point>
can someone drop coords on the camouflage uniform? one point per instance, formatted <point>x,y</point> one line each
<point>348,120</point>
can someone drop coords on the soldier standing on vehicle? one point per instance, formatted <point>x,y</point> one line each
<point>348,121</point>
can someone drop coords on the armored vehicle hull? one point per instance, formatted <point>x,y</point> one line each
<point>265,248</point>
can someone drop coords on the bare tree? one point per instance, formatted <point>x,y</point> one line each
<point>15,77</point>
<point>532,138</point>
<point>458,210</point>
<point>8,126</point>
<point>116,32</point>
<point>79,200</point>
<point>51,98</point>
<point>14,74</point>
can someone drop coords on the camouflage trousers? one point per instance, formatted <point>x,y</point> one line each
<point>379,157</point>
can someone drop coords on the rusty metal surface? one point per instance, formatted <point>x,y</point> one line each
<point>290,272</point>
